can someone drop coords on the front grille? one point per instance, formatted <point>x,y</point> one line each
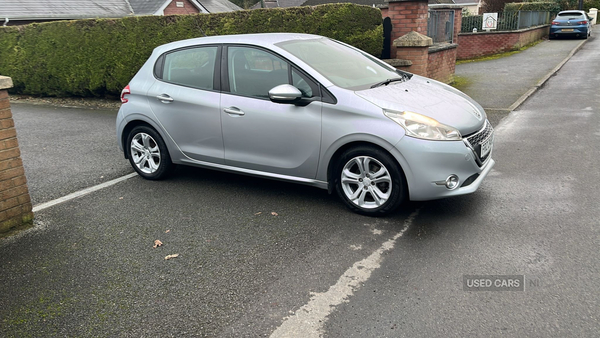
<point>475,140</point>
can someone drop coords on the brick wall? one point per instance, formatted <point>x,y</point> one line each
<point>410,43</point>
<point>384,12</point>
<point>417,56</point>
<point>472,45</point>
<point>441,63</point>
<point>15,203</point>
<point>188,8</point>
<point>407,16</point>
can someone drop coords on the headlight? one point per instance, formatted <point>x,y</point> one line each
<point>419,126</point>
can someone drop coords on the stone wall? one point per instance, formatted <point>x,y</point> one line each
<point>15,203</point>
<point>472,45</point>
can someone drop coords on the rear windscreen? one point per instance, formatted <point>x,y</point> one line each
<point>572,14</point>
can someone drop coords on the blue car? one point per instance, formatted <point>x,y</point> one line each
<point>571,23</point>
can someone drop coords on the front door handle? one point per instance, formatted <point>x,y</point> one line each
<point>164,98</point>
<point>233,111</point>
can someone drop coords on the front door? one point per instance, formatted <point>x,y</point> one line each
<point>259,134</point>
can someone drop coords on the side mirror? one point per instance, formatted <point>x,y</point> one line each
<point>285,93</point>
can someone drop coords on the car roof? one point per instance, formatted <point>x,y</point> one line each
<point>261,39</point>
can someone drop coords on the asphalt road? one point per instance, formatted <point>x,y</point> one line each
<point>536,215</point>
<point>253,253</point>
<point>67,149</point>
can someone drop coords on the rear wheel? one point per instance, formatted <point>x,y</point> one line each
<point>369,181</point>
<point>148,153</point>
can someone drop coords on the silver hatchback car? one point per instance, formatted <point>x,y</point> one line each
<point>306,109</point>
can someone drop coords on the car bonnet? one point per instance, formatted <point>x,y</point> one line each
<point>432,99</point>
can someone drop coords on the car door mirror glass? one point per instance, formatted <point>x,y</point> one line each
<point>285,93</point>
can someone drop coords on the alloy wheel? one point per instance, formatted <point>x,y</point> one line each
<point>145,153</point>
<point>366,182</point>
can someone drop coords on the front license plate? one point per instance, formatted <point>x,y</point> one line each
<point>567,30</point>
<point>486,146</point>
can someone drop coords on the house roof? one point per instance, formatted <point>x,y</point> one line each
<point>375,3</point>
<point>466,2</point>
<point>218,6</point>
<point>154,7</point>
<point>63,9</point>
<point>146,7</point>
<point>87,9</point>
<point>281,3</point>
<point>434,2</point>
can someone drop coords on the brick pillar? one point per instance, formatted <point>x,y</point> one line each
<point>15,203</point>
<point>407,16</point>
<point>457,23</point>
<point>414,47</point>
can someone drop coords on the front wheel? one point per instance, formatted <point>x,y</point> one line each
<point>148,153</point>
<point>369,181</point>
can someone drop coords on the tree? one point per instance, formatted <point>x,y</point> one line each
<point>494,6</point>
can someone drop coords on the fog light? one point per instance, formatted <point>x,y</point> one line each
<point>452,182</point>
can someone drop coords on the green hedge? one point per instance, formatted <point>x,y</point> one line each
<point>549,6</point>
<point>99,57</point>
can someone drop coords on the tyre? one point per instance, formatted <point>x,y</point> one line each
<point>369,181</point>
<point>148,153</point>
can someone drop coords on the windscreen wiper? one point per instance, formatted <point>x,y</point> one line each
<point>388,81</point>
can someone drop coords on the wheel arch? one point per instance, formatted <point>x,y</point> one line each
<point>331,166</point>
<point>130,126</point>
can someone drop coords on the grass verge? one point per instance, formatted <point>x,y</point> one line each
<point>499,55</point>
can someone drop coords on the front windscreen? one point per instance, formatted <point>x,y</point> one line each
<point>343,66</point>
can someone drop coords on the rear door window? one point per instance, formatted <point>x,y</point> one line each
<point>192,67</point>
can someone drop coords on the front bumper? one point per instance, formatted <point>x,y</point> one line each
<point>427,164</point>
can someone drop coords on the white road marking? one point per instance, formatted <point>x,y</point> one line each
<point>83,192</point>
<point>308,321</point>
<point>376,232</point>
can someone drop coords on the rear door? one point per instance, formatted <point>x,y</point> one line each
<point>185,100</point>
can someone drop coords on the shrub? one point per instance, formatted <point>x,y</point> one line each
<point>548,6</point>
<point>98,57</point>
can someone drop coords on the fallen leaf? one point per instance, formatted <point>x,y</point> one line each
<point>172,256</point>
<point>274,213</point>
<point>258,213</point>
<point>166,232</point>
<point>157,243</point>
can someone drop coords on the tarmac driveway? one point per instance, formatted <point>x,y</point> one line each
<point>249,249</point>
<point>253,251</point>
<point>67,149</point>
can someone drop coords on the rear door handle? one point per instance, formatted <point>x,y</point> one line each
<point>164,98</point>
<point>233,111</point>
